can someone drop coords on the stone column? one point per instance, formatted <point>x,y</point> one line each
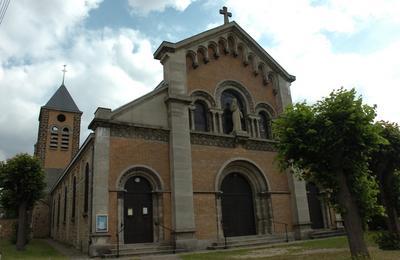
<point>99,174</point>
<point>257,127</point>
<point>221,129</point>
<point>191,111</point>
<point>180,150</point>
<point>214,121</point>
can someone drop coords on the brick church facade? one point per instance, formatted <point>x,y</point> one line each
<point>173,166</point>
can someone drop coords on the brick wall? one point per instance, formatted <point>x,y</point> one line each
<point>227,67</point>
<point>73,231</point>
<point>128,152</point>
<point>7,228</point>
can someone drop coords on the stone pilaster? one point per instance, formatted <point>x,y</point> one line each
<point>300,212</point>
<point>180,150</point>
<point>99,173</point>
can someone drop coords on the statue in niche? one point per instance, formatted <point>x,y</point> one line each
<point>236,117</point>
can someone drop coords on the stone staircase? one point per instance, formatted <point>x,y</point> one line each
<point>324,233</point>
<point>142,250</point>
<point>248,241</point>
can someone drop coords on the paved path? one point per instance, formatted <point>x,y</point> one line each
<point>68,251</point>
<point>73,253</point>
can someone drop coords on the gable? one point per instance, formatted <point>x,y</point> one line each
<point>148,110</point>
<point>228,38</point>
<point>228,54</point>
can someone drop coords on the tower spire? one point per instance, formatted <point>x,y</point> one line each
<point>64,70</point>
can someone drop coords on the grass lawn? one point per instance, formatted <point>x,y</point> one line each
<point>36,249</point>
<point>335,248</point>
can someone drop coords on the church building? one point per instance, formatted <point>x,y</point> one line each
<point>188,164</point>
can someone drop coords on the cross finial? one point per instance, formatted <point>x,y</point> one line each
<point>64,70</point>
<point>226,14</point>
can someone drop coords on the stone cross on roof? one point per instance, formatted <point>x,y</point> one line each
<point>64,70</point>
<point>226,14</point>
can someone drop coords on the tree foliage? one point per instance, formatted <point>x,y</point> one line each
<point>21,180</point>
<point>335,133</point>
<point>385,164</point>
<point>21,185</point>
<point>331,142</point>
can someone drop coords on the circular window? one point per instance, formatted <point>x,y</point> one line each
<point>61,118</point>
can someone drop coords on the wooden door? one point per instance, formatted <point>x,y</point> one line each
<point>138,211</point>
<point>314,206</point>
<point>237,206</point>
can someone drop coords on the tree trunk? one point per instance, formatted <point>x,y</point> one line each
<point>21,233</point>
<point>352,219</point>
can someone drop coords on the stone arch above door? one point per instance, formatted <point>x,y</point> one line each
<point>157,187</point>
<point>259,185</point>
<point>144,171</point>
<point>252,172</point>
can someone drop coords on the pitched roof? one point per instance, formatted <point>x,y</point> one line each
<point>62,100</point>
<point>219,30</point>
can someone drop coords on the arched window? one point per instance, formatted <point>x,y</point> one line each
<point>65,138</point>
<point>86,199</point>
<point>65,204</point>
<point>265,125</point>
<point>73,199</point>
<point>226,101</point>
<point>54,137</point>
<point>58,210</point>
<point>200,116</point>
<point>53,221</point>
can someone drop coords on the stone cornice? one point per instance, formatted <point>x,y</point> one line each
<point>231,141</point>
<point>153,134</point>
<point>178,99</point>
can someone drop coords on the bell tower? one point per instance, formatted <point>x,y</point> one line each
<point>58,135</point>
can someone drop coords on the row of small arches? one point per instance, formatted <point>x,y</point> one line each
<point>229,46</point>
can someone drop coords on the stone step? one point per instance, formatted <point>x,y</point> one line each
<point>327,233</point>
<point>248,241</point>
<point>144,249</point>
<point>255,238</point>
<point>149,251</point>
<point>141,246</point>
<point>143,253</point>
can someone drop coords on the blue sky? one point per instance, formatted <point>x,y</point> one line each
<point>108,47</point>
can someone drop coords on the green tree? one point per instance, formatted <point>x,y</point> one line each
<point>331,142</point>
<point>385,162</point>
<point>21,184</point>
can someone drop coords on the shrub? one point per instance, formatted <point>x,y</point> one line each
<point>388,241</point>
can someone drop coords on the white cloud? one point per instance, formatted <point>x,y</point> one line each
<point>300,45</point>
<point>105,68</point>
<point>146,6</point>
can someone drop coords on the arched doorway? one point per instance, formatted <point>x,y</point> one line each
<point>138,211</point>
<point>314,206</point>
<point>237,206</point>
